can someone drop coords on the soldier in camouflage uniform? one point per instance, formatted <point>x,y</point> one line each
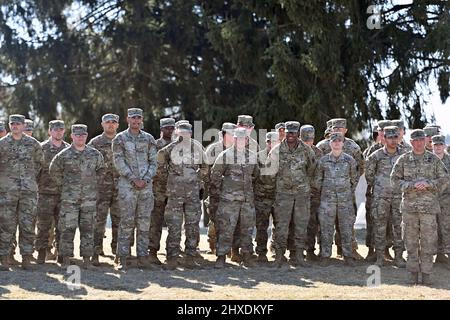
<point>336,177</point>
<point>75,171</point>
<point>134,156</point>
<point>182,168</point>
<point>289,170</point>
<point>107,187</point>
<point>419,175</point>
<point>430,131</point>
<point>232,179</point>
<point>385,209</point>
<point>226,140</point>
<point>280,128</point>
<point>29,127</point>
<point>264,198</point>
<point>20,162</point>
<point>443,219</point>
<point>406,147</point>
<point>49,201</point>
<point>167,126</point>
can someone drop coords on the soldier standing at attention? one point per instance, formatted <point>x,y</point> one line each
<point>21,159</point>
<point>419,175</point>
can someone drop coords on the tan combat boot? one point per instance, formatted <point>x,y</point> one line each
<point>262,258</point>
<point>426,279</point>
<point>189,262</point>
<point>398,260</point>
<point>371,256</point>
<point>87,264</point>
<point>95,260</point>
<point>235,256</point>
<point>4,264</point>
<point>122,266</point>
<point>42,253</point>
<point>380,258</point>
<point>171,263</point>
<point>301,262</point>
<point>153,257</point>
<point>440,258</point>
<point>311,256</point>
<point>248,261</point>
<point>26,262</point>
<point>220,262</point>
<point>387,254</point>
<point>413,278</point>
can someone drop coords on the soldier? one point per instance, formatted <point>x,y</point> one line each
<point>307,135</point>
<point>376,137</point>
<point>419,174</point>
<point>443,219</point>
<point>401,132</point>
<point>232,179</point>
<point>386,203</point>
<point>181,164</point>
<point>381,124</point>
<point>167,126</point>
<point>75,171</point>
<point>226,140</point>
<point>107,187</point>
<point>134,156</point>
<point>430,131</point>
<point>20,162</point>
<point>3,131</point>
<point>336,177</point>
<point>289,170</point>
<point>29,127</point>
<point>264,198</point>
<point>280,128</point>
<point>49,195</point>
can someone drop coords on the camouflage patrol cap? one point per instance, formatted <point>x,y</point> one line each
<point>417,134</point>
<point>166,122</point>
<point>337,136</point>
<point>383,123</point>
<point>16,118</point>
<point>438,139</point>
<point>228,127</point>
<point>79,129</point>
<point>240,133</point>
<point>177,124</point>
<point>329,123</point>
<point>280,125</point>
<point>339,123</point>
<point>56,124</point>
<point>398,123</point>
<point>135,112</point>
<point>390,131</point>
<point>29,125</point>
<point>184,127</point>
<point>307,132</point>
<point>431,130</point>
<point>110,117</point>
<point>272,136</point>
<point>245,120</point>
<point>292,126</point>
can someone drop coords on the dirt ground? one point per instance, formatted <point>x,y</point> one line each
<point>235,282</point>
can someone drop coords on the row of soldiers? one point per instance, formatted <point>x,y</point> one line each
<point>308,190</point>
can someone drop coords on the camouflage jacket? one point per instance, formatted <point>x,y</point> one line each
<point>110,176</point>
<point>290,171</point>
<point>159,188</point>
<point>336,176</point>
<point>75,172</point>
<point>262,189</point>
<point>378,172</point>
<point>374,147</point>
<point>411,168</point>
<point>446,191</point>
<point>47,184</point>
<point>134,157</point>
<point>20,163</point>
<point>233,175</point>
<point>405,146</point>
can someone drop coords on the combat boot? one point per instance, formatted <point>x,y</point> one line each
<point>440,258</point>
<point>153,257</point>
<point>26,262</point>
<point>387,254</point>
<point>4,264</point>
<point>448,264</point>
<point>235,256</point>
<point>371,256</point>
<point>262,258</point>
<point>349,261</point>
<point>248,261</point>
<point>380,258</point>
<point>49,255</point>
<point>87,264</point>
<point>311,256</point>
<point>301,260</point>
<point>339,251</point>
<point>189,262</point>
<point>413,278</point>
<point>279,261</point>
<point>171,263</point>
<point>220,262</point>
<point>426,279</point>
<point>398,260</point>
<point>293,257</point>
<point>65,262</point>
<point>356,254</point>
<point>95,260</point>
<point>12,259</point>
<point>122,266</point>
<point>42,253</point>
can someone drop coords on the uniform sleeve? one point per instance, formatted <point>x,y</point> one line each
<point>56,169</point>
<point>38,159</point>
<point>354,175</point>
<point>311,165</point>
<point>100,168</point>
<point>318,176</point>
<point>151,172</point>
<point>162,171</point>
<point>442,178</point>
<point>370,170</point>
<point>270,169</point>
<point>398,181</point>
<point>217,171</point>
<point>357,155</point>
<point>119,159</point>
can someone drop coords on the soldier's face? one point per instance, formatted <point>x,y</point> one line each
<point>336,145</point>
<point>281,134</point>
<point>57,133</point>
<point>110,127</point>
<point>391,142</point>
<point>135,122</point>
<point>3,133</point>
<point>16,127</point>
<point>439,148</point>
<point>292,137</point>
<point>418,145</point>
<point>167,132</point>
<point>79,140</point>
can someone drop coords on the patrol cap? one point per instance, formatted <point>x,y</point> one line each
<point>339,123</point>
<point>307,132</point>
<point>390,131</point>
<point>177,124</point>
<point>56,124</point>
<point>431,130</point>
<point>184,127</point>
<point>29,125</point>
<point>240,133</point>
<point>398,123</point>
<point>166,122</point>
<point>79,129</point>
<point>337,136</point>
<point>229,127</point>
<point>292,126</point>
<point>417,134</point>
<point>272,136</point>
<point>329,123</point>
<point>280,125</point>
<point>383,123</point>
<point>16,118</point>
<point>438,139</point>
<point>135,112</point>
<point>327,132</point>
<point>110,117</point>
<point>245,120</point>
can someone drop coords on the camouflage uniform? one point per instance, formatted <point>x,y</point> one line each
<point>336,178</point>
<point>107,192</point>
<point>134,158</point>
<point>76,173</point>
<point>20,163</point>
<point>419,207</point>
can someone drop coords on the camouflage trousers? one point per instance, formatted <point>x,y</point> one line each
<point>313,230</point>
<point>135,212</point>
<point>107,202</point>
<point>48,208</point>
<point>17,208</point>
<point>212,232</point>
<point>156,224</point>
<point>443,220</point>
<point>330,208</point>
<point>369,221</point>
<point>263,209</point>
<point>420,241</point>
<point>230,216</point>
<point>337,236</point>
<point>291,208</point>
<point>386,215</point>
<point>178,208</point>
<point>76,213</point>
